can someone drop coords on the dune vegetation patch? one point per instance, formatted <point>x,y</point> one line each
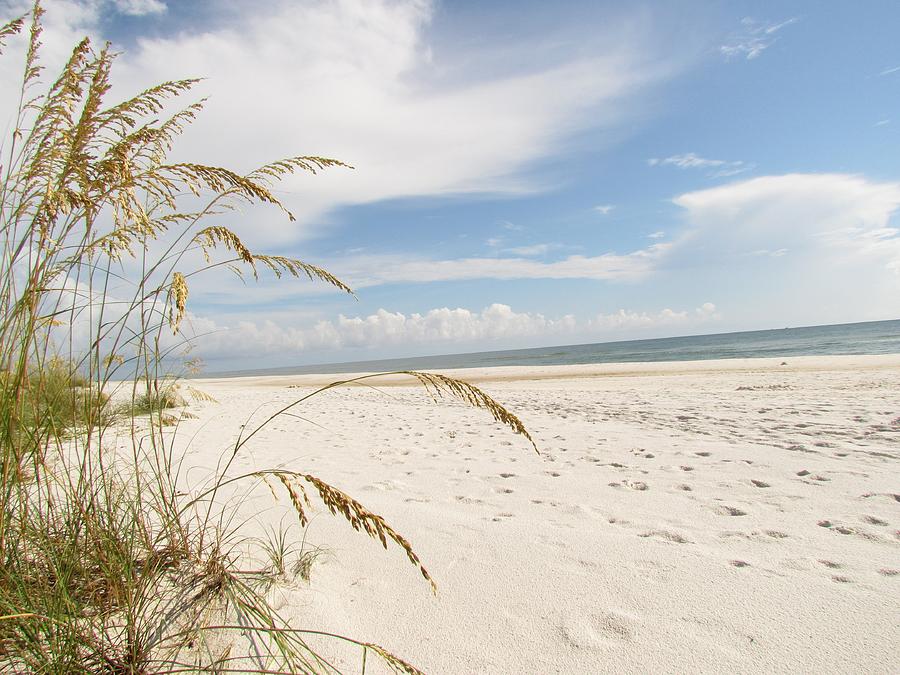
<point>110,560</point>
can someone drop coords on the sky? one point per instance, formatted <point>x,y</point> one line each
<point>530,173</point>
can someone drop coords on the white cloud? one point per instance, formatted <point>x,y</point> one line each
<point>624,320</point>
<point>495,325</point>
<point>889,71</point>
<point>375,270</point>
<point>140,7</point>
<point>753,38</point>
<point>842,213</point>
<point>360,81</point>
<point>772,254</point>
<point>377,330</point>
<point>535,249</point>
<point>659,234</point>
<point>604,208</point>
<point>817,246</point>
<point>719,168</point>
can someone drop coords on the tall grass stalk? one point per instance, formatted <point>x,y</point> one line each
<point>109,561</point>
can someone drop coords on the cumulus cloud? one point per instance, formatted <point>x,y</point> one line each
<point>815,215</point>
<point>604,208</point>
<point>625,320</point>
<point>497,324</point>
<point>811,248</point>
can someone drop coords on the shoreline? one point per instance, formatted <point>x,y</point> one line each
<point>837,362</point>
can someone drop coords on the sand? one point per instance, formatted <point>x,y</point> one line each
<point>714,516</point>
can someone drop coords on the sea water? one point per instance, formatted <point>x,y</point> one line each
<point>873,337</point>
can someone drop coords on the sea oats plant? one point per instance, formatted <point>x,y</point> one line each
<point>110,560</point>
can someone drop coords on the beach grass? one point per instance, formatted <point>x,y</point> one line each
<point>110,559</point>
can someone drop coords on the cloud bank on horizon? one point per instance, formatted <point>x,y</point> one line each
<point>531,176</point>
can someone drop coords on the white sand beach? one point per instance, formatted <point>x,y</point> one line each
<point>712,516</point>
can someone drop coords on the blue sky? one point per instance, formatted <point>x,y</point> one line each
<point>533,173</point>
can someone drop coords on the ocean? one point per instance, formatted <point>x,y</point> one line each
<point>872,337</point>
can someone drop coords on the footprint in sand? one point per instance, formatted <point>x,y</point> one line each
<point>889,572</point>
<point>507,475</point>
<point>759,483</point>
<point>703,454</point>
<point>872,520</point>
<point>896,498</point>
<point>729,511</point>
<point>831,564</point>
<point>842,529</point>
<point>666,535</point>
<point>687,468</point>
<point>686,488</point>
<point>593,631</point>
<point>842,580</point>
<point>635,485</point>
<point>739,563</point>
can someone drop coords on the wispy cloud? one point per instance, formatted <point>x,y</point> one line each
<point>360,80</point>
<point>376,270</point>
<point>717,168</point>
<point>604,208</point>
<point>753,38</point>
<point>656,235</point>
<point>889,71</point>
<point>535,249</point>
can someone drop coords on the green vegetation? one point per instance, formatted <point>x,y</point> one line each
<point>109,561</point>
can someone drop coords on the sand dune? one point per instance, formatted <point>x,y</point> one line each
<point>708,516</point>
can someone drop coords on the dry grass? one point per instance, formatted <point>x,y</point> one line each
<point>109,561</point>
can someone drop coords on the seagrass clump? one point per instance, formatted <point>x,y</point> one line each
<point>340,503</point>
<point>111,560</point>
<point>437,385</point>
